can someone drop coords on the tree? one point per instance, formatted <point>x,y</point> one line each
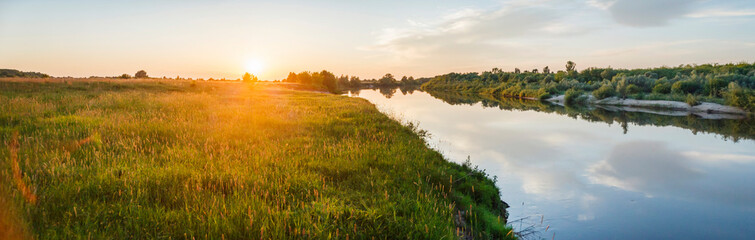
<point>546,70</point>
<point>330,81</point>
<point>125,76</point>
<point>304,78</point>
<point>570,66</point>
<point>607,74</point>
<point>355,81</point>
<point>247,77</point>
<point>141,74</point>
<point>517,71</point>
<point>291,77</point>
<point>534,70</point>
<point>387,80</point>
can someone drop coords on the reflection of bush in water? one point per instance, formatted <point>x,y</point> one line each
<point>727,128</point>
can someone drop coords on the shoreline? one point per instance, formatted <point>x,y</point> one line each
<point>705,110</point>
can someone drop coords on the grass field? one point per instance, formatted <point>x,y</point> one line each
<point>194,160</point>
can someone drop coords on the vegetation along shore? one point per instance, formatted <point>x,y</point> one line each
<point>728,84</point>
<point>155,159</point>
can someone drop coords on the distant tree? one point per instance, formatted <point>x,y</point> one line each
<point>141,74</point>
<point>304,78</point>
<point>496,71</point>
<point>329,81</point>
<point>546,70</point>
<point>291,77</point>
<point>534,70</point>
<point>517,71</point>
<point>387,80</point>
<point>355,82</point>
<point>607,74</point>
<point>570,66</point>
<point>343,81</point>
<point>247,77</point>
<point>125,76</point>
<point>178,77</point>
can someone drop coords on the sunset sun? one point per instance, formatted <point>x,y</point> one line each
<point>254,66</point>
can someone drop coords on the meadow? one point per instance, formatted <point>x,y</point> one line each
<point>167,159</point>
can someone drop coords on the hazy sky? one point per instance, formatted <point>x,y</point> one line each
<point>203,38</point>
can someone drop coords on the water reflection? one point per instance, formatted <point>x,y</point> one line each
<point>596,173</point>
<point>734,129</point>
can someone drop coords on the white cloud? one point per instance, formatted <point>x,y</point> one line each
<point>722,13</point>
<point>645,13</point>
<point>475,33</point>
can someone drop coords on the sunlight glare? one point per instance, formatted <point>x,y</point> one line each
<point>254,66</point>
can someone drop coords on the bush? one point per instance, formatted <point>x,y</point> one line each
<point>573,96</point>
<point>632,89</point>
<point>141,74</point>
<point>604,91</point>
<point>662,88</point>
<point>692,100</point>
<point>739,97</point>
<point>686,86</point>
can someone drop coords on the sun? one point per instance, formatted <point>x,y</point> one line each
<point>254,66</point>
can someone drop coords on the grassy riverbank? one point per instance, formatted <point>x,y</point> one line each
<point>182,160</point>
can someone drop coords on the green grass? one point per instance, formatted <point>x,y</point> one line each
<point>175,160</point>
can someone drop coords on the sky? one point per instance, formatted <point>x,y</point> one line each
<point>367,38</point>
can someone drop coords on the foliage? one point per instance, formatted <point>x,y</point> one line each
<point>12,73</point>
<point>141,74</point>
<point>604,91</point>
<point>247,77</point>
<point>692,100</point>
<point>707,82</point>
<point>573,96</point>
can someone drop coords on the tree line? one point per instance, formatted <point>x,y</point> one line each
<point>730,84</point>
<point>331,83</point>
<point>11,73</point>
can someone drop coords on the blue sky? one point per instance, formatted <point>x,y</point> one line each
<point>217,39</point>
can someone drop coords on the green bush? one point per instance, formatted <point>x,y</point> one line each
<point>573,96</point>
<point>604,91</point>
<point>632,89</point>
<point>686,86</point>
<point>692,100</point>
<point>662,88</point>
<point>739,97</point>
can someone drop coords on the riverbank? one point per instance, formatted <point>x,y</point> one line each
<point>178,159</point>
<point>673,108</point>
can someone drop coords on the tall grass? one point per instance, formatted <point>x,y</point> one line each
<point>186,160</point>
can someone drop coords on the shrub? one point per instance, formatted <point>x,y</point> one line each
<point>686,86</point>
<point>604,91</point>
<point>692,100</point>
<point>141,74</point>
<point>663,88</point>
<point>573,96</point>
<point>739,97</point>
<point>632,89</point>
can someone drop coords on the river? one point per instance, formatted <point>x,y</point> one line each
<point>595,173</point>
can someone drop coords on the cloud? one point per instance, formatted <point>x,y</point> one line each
<point>475,34</point>
<point>645,13</point>
<point>643,166</point>
<point>653,169</point>
<point>722,13</point>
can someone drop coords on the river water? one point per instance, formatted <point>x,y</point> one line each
<point>595,173</point>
